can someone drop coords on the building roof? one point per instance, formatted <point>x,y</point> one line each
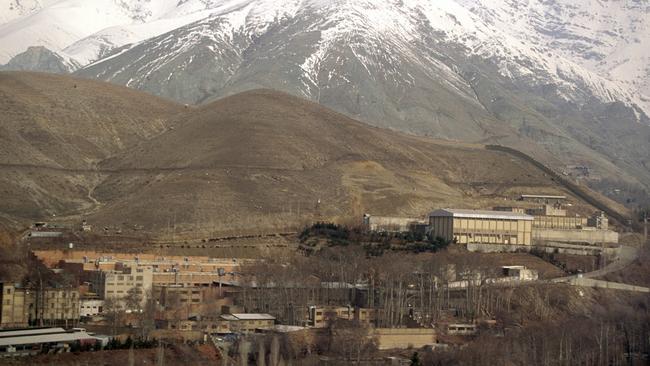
<point>45,338</point>
<point>242,316</point>
<point>543,196</point>
<point>480,214</point>
<point>27,332</point>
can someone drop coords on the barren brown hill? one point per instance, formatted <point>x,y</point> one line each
<point>261,161</point>
<point>69,125</point>
<point>60,121</point>
<point>264,160</point>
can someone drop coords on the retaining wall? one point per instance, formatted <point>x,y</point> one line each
<point>389,338</point>
<point>548,247</point>
<point>591,236</point>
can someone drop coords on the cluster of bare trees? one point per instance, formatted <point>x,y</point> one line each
<point>401,287</point>
<point>545,324</point>
<point>617,338</point>
<point>137,309</point>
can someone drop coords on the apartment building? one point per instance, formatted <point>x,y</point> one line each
<point>116,284</point>
<point>56,306</point>
<point>16,306</point>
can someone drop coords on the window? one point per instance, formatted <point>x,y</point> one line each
<point>8,291</point>
<point>139,278</point>
<point>120,278</point>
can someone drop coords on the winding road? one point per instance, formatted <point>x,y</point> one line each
<point>626,256</point>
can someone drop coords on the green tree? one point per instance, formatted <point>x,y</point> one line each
<point>415,359</point>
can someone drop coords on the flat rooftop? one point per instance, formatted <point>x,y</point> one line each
<point>52,337</point>
<point>480,214</point>
<point>28,332</point>
<point>242,316</point>
<point>542,196</point>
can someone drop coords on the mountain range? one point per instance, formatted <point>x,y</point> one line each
<point>560,80</point>
<point>258,161</point>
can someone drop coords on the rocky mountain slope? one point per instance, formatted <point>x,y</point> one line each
<point>608,38</point>
<point>39,58</point>
<point>256,161</point>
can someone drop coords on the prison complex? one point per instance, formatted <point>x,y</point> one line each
<point>480,226</point>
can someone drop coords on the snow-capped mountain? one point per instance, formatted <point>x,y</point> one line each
<point>561,77</point>
<point>84,30</point>
<point>608,38</point>
<point>560,38</point>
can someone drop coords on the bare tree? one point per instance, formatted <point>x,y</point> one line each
<point>133,299</point>
<point>112,311</point>
<point>351,341</point>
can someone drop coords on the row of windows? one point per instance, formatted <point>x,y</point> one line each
<point>122,284</point>
<point>63,294</point>
<point>129,278</point>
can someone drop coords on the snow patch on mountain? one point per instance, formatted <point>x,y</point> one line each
<point>609,39</point>
<point>587,49</point>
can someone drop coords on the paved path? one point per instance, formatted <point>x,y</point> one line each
<point>627,255</point>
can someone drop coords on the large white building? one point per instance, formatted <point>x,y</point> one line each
<point>481,226</point>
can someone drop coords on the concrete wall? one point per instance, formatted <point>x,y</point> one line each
<point>45,234</point>
<point>548,247</point>
<point>588,282</point>
<point>559,222</point>
<point>391,224</point>
<point>389,338</point>
<point>591,236</point>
